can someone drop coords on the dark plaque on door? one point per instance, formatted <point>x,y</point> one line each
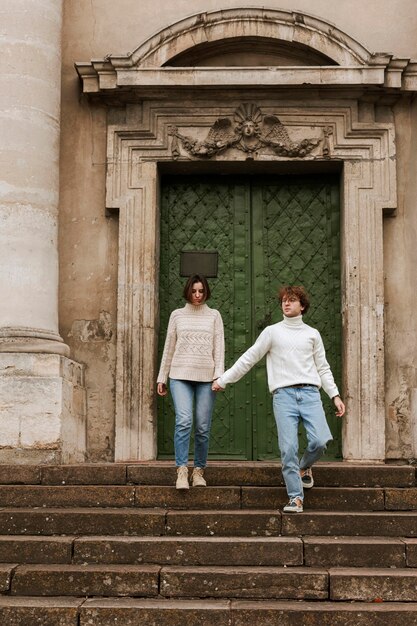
<point>199,262</point>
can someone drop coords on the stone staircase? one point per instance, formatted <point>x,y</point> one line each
<point>117,545</point>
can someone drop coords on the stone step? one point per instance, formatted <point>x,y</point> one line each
<point>207,523</point>
<point>401,499</point>
<point>66,496</point>
<point>132,612</point>
<point>274,613</point>
<point>183,582</point>
<point>232,551</point>
<point>80,474</point>
<point>373,584</point>
<point>266,582</point>
<point>370,524</point>
<point>311,551</point>
<point>271,523</point>
<point>326,498</point>
<point>86,580</point>
<point>34,549</point>
<point>355,552</point>
<point>319,498</point>
<point>249,523</point>
<point>146,496</point>
<point>119,496</point>
<point>82,521</point>
<point>290,583</point>
<point>28,611</point>
<point>262,473</point>
<point>295,583</point>
<point>142,522</point>
<point>67,611</point>
<point>350,584</point>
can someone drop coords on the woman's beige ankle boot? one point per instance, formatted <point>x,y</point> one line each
<point>182,478</point>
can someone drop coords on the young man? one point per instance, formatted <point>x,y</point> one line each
<point>297,367</point>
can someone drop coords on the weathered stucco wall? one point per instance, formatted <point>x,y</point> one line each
<point>88,238</point>
<point>88,264</point>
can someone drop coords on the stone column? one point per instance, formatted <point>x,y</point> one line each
<point>30,62</point>
<point>32,354</point>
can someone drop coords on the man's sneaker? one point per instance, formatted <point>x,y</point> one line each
<point>182,478</point>
<point>307,478</point>
<point>198,478</point>
<point>295,505</point>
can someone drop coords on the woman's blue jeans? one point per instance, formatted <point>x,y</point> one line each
<point>186,393</point>
<point>292,405</point>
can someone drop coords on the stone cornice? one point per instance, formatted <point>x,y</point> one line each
<point>103,78</point>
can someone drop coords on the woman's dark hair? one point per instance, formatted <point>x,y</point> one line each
<point>188,288</point>
<point>296,292</point>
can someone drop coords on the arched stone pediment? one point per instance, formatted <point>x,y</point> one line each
<point>301,49</point>
<point>290,29</point>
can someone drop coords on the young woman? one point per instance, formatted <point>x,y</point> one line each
<point>193,357</point>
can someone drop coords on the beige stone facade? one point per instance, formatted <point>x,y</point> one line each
<point>149,83</point>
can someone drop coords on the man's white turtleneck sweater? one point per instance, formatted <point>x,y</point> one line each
<point>294,355</point>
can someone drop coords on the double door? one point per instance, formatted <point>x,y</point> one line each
<point>267,233</point>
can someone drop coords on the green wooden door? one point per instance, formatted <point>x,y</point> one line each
<point>267,233</point>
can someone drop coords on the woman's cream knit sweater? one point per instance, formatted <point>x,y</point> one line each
<point>194,345</point>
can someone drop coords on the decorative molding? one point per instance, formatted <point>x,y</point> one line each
<point>17,332</point>
<point>25,339</point>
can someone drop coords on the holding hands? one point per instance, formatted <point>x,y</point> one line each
<point>216,387</point>
<point>162,389</point>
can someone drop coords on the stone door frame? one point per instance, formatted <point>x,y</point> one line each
<point>335,103</point>
<point>368,186</point>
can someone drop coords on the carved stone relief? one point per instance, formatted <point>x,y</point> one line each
<point>250,131</point>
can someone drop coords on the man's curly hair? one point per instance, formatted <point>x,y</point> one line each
<point>295,291</point>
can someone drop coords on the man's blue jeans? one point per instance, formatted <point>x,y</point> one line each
<point>186,393</point>
<point>292,405</point>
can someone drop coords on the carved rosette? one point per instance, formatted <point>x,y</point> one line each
<point>250,131</point>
